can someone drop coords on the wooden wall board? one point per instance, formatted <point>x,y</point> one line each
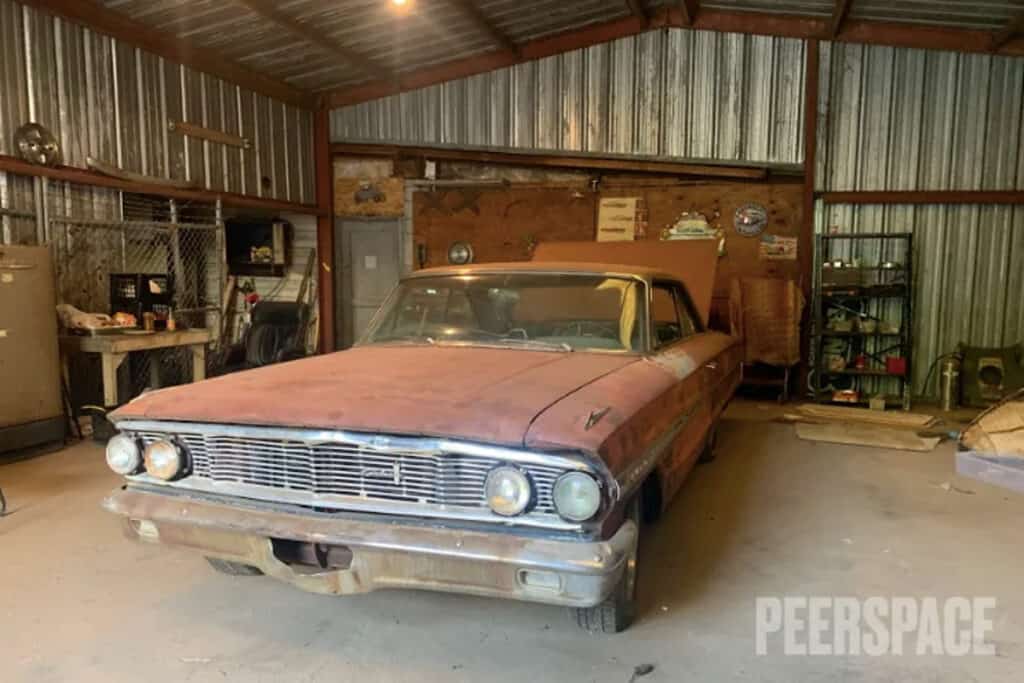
<point>502,223</point>
<point>389,197</point>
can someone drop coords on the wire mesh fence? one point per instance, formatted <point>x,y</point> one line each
<point>112,249</point>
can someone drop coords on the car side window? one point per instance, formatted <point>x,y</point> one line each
<point>672,314</point>
<point>665,315</point>
<point>687,319</point>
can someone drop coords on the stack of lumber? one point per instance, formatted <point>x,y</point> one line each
<point>862,427</point>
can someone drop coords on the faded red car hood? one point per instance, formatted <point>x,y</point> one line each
<point>479,394</point>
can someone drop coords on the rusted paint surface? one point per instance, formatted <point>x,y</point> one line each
<point>478,394</point>
<point>694,262</point>
<point>645,398</point>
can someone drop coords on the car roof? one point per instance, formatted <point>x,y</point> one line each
<point>547,267</point>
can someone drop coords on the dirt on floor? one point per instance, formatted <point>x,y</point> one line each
<point>772,516</point>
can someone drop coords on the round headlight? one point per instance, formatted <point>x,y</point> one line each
<point>123,455</point>
<point>164,460</point>
<point>508,491</point>
<point>577,496</point>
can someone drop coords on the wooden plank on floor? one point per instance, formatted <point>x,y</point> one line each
<point>861,434</point>
<point>890,418</point>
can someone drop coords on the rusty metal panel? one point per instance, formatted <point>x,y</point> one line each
<point>673,94</point>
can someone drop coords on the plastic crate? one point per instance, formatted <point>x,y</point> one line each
<point>1004,471</point>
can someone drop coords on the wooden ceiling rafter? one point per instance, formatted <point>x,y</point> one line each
<point>498,37</point>
<point>95,17</point>
<point>320,39</point>
<point>840,11</point>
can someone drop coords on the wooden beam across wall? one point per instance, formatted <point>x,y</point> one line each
<point>94,16</point>
<point>81,176</point>
<point>553,160</point>
<point>924,197</point>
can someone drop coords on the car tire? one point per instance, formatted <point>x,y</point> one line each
<point>233,568</point>
<point>617,612</point>
<point>707,454</point>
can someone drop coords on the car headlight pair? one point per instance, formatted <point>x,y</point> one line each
<point>509,492</point>
<point>162,459</point>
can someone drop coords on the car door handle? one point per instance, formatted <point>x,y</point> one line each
<point>712,365</point>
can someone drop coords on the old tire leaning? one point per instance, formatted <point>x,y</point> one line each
<point>233,568</point>
<point>617,612</point>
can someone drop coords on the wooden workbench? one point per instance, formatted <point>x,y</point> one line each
<point>114,348</point>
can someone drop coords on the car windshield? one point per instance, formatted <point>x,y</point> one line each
<point>548,311</point>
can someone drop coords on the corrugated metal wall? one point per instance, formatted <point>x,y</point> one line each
<point>672,94</point>
<point>113,101</point>
<point>901,119</point>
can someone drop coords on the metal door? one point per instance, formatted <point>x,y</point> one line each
<point>368,251</point>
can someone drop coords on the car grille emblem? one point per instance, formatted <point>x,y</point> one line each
<point>394,472</point>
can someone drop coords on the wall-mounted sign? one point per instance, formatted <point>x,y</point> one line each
<point>750,219</point>
<point>777,248</point>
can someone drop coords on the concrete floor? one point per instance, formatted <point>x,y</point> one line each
<point>772,516</point>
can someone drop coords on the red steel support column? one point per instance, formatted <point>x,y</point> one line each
<point>324,226</point>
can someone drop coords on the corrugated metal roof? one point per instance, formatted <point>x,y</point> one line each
<point>434,31</point>
<point>430,32</point>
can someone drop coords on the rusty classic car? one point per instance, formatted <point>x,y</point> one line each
<point>500,430</point>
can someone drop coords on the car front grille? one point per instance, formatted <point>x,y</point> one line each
<point>355,471</point>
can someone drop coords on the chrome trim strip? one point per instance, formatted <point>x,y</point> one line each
<point>412,446</point>
<point>336,502</point>
<point>370,442</point>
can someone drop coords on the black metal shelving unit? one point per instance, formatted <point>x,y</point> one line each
<point>871,290</point>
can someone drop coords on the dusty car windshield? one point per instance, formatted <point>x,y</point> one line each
<point>540,310</point>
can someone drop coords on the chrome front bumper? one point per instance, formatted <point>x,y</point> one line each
<point>384,554</point>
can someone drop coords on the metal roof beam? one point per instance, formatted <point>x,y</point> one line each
<point>840,11</point>
<point>764,24</point>
<point>489,61</point>
<point>689,8</point>
<point>1014,28</point>
<point>637,9</point>
<point>312,34</point>
<point>485,25</point>
<point>121,27</point>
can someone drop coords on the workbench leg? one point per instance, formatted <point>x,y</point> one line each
<point>198,362</point>
<point>110,363</point>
